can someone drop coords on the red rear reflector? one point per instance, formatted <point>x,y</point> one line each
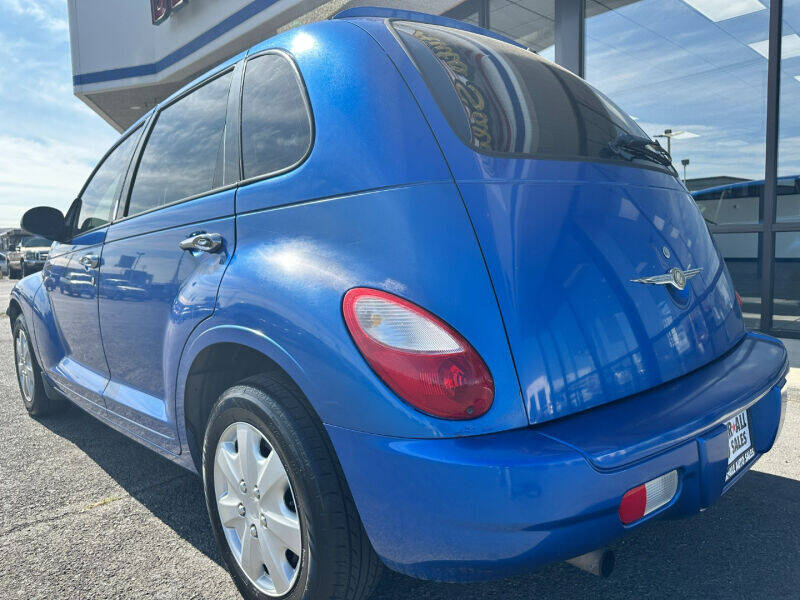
<point>420,357</point>
<point>644,499</point>
<point>633,504</point>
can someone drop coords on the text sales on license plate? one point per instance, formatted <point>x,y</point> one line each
<point>740,448</point>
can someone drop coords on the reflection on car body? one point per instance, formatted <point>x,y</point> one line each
<point>78,284</point>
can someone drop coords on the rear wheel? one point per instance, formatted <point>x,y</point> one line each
<point>280,508</point>
<point>29,375</point>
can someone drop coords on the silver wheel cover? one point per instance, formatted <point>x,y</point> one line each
<point>22,353</point>
<point>257,509</point>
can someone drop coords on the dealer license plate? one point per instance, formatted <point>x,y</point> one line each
<point>740,447</point>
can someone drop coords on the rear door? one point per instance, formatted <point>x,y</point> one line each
<point>164,258</point>
<point>73,353</point>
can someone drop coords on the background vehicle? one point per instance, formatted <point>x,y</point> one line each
<point>9,239</point>
<point>373,304</point>
<point>28,256</point>
<point>14,262</point>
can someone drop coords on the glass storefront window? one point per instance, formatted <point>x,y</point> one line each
<point>530,22</point>
<point>469,12</point>
<point>688,73</point>
<point>789,128</point>
<point>786,295</point>
<point>742,254</point>
<point>788,199</point>
<point>737,204</point>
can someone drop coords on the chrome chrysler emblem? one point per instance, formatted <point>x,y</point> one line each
<point>674,277</point>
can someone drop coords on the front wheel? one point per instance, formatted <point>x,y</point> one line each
<point>29,375</point>
<point>281,511</point>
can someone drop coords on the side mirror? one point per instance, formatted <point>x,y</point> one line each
<point>45,221</point>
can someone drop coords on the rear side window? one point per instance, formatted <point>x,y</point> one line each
<point>100,194</point>
<point>185,151</point>
<point>501,99</point>
<point>276,121</point>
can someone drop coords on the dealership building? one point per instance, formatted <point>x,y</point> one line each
<point>718,81</point>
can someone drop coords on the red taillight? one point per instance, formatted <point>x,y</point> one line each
<point>420,357</point>
<point>739,300</point>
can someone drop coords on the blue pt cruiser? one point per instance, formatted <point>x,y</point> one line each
<point>403,293</point>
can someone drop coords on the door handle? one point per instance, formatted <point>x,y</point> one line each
<point>202,242</point>
<point>90,261</point>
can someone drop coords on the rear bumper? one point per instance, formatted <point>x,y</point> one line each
<point>488,506</point>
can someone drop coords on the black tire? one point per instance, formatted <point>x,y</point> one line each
<point>39,404</point>
<point>338,562</point>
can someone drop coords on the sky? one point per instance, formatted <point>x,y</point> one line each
<point>49,139</point>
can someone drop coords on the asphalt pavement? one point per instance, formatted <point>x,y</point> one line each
<point>86,513</point>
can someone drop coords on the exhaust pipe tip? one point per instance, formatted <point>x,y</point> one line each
<point>597,562</point>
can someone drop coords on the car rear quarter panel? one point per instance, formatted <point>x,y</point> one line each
<point>283,290</point>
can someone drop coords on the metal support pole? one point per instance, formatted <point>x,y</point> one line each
<point>483,14</point>
<point>771,162</point>
<point>570,18</point>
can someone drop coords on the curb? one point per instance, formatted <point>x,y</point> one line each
<point>792,389</point>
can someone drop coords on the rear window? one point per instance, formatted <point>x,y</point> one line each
<point>501,99</point>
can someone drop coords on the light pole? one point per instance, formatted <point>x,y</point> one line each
<point>678,135</point>
<point>685,163</point>
<point>667,134</point>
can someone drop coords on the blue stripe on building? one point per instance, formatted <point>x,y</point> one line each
<point>170,59</point>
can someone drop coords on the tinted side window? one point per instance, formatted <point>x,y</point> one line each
<point>98,198</point>
<point>276,124</point>
<point>184,153</point>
